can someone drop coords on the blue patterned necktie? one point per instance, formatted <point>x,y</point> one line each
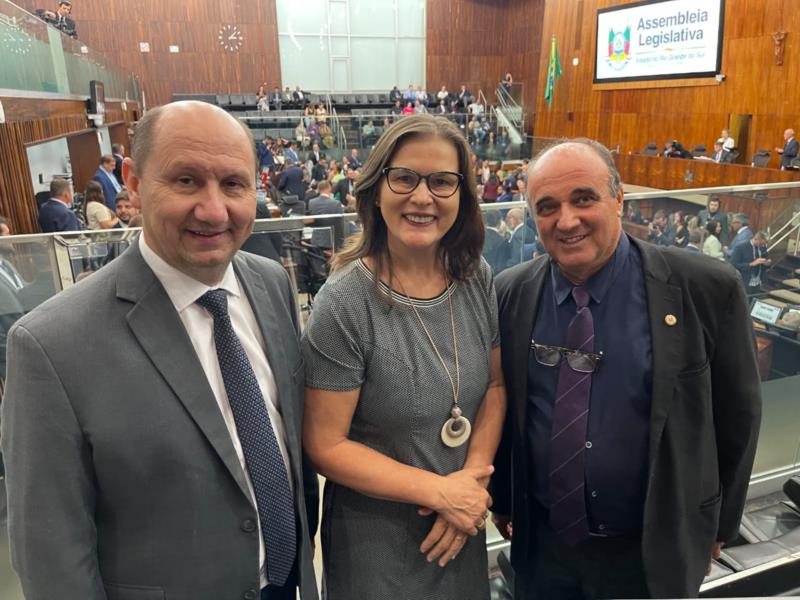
<point>261,452</point>
<point>568,434</point>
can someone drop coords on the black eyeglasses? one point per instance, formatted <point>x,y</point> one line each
<point>441,184</point>
<point>578,360</point>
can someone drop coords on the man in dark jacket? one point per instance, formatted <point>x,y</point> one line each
<point>60,18</point>
<point>56,214</point>
<point>292,181</point>
<point>752,260</point>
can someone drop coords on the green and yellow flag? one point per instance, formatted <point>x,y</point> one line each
<point>553,72</point>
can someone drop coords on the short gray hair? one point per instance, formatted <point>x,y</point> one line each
<point>614,179</point>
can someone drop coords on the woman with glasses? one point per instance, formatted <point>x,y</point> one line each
<point>404,392</point>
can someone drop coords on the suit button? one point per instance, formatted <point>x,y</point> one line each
<point>248,525</point>
<point>249,595</point>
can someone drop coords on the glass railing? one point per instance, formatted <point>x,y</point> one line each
<point>36,267</point>
<point>39,58</point>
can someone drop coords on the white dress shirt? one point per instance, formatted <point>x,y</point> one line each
<point>184,291</point>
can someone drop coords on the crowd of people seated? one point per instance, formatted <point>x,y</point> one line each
<point>711,232</point>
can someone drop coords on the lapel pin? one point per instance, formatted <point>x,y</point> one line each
<point>671,320</point>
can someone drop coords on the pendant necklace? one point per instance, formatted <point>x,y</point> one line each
<point>457,429</point>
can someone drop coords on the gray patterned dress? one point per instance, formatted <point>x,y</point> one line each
<point>355,339</point>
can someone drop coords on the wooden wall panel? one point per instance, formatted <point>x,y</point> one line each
<point>631,118</point>
<point>114,30</point>
<point>475,42</point>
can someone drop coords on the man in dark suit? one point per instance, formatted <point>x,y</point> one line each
<point>276,99</point>
<point>292,181</point>
<point>495,245</point>
<point>752,260</point>
<point>118,151</point>
<point>695,243</point>
<point>105,177</point>
<point>324,204</point>
<point>299,97</point>
<point>179,443</point>
<point>315,155</point>
<point>721,155</point>
<point>521,236</point>
<point>56,214</point>
<point>345,188</point>
<point>790,149</point>
<point>634,398</point>
<point>60,19</point>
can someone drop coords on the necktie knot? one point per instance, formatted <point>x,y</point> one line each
<point>215,302</point>
<point>581,296</point>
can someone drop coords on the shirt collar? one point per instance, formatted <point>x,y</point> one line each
<point>183,290</point>
<point>599,283</point>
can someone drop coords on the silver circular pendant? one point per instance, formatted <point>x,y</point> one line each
<point>455,432</point>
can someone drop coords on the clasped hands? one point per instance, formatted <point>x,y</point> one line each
<point>461,510</point>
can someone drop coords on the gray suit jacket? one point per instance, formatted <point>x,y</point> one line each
<point>123,482</point>
<point>705,413</point>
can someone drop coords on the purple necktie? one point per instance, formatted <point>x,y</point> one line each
<point>568,435</point>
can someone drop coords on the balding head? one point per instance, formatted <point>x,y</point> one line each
<point>788,134</point>
<point>192,174</point>
<point>144,138</point>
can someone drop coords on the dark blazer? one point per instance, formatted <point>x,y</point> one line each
<point>495,250</point>
<point>705,413</point>
<point>291,182</point>
<point>131,437</point>
<point>66,26</point>
<point>341,190</point>
<point>118,168</point>
<point>790,151</point>
<point>516,245</point>
<point>109,193</point>
<point>57,216</point>
<point>725,156</point>
<point>741,257</point>
<point>321,235</point>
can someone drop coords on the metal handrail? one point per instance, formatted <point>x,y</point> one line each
<point>793,230</point>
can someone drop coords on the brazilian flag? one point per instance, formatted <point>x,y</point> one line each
<point>553,72</point>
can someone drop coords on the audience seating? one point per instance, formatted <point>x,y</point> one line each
<point>700,150</point>
<point>223,100</point>
<point>651,149</point>
<point>760,158</point>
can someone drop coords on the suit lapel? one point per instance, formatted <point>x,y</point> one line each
<point>158,328</point>
<point>523,312</point>
<point>665,302</point>
<point>262,298</point>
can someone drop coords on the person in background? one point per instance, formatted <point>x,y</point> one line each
<point>752,261</point>
<point>790,149</point>
<point>368,134</point>
<point>95,212</point>
<point>678,231</point>
<point>712,212</point>
<point>712,246</point>
<point>408,109</point>
<point>118,152</point>
<point>266,160</point>
<point>720,154</point>
<point>5,228</point>
<point>659,231</point>
<point>728,143</point>
<point>404,399</point>
<point>125,209</point>
<point>60,19</point>
<point>490,189</point>
<point>743,234</point>
<point>56,214</point>
<point>105,177</point>
<point>695,239</point>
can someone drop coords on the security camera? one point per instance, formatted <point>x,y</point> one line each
<point>720,77</point>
